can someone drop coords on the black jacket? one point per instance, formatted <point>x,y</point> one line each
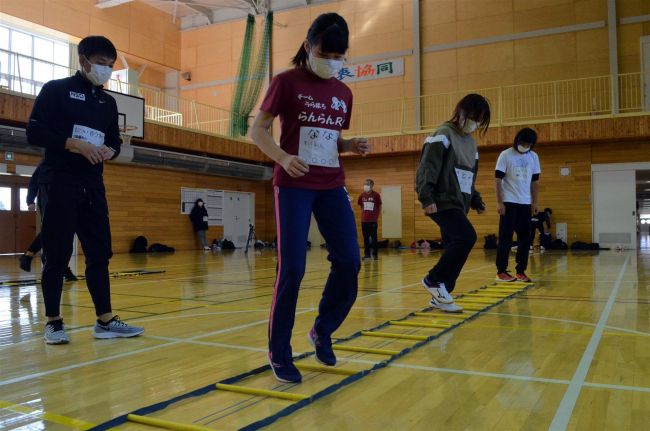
<point>62,104</point>
<point>32,188</point>
<point>196,216</point>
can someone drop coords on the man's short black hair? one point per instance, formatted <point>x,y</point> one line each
<point>97,45</point>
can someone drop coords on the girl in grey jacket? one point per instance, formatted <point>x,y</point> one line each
<point>445,181</point>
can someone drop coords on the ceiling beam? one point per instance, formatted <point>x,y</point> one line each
<point>202,10</point>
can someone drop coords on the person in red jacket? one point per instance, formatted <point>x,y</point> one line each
<point>370,203</point>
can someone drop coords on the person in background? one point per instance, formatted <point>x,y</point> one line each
<point>445,183</point>
<point>199,218</point>
<point>27,257</point>
<point>76,122</point>
<point>370,203</point>
<point>541,222</point>
<point>517,185</point>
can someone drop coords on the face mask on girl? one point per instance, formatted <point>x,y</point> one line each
<point>366,188</point>
<point>200,204</point>
<point>522,149</point>
<point>470,126</point>
<point>98,74</point>
<point>324,68</point>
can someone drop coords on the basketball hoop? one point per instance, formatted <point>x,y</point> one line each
<point>125,134</point>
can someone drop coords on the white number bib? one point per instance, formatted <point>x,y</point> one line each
<point>465,180</point>
<point>86,134</point>
<point>318,147</point>
<point>368,206</point>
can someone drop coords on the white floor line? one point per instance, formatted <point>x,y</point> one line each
<point>565,409</point>
<point>211,343</point>
<point>577,322</point>
<point>617,387</point>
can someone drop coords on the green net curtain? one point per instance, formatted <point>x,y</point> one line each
<point>252,74</point>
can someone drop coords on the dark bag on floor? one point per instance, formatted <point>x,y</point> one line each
<point>227,245</point>
<point>558,244</point>
<point>579,245</point>
<point>160,248</point>
<point>139,245</point>
<point>490,242</point>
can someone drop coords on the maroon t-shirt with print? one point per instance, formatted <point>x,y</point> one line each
<point>312,111</point>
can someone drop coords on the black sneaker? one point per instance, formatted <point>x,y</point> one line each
<point>323,347</point>
<point>68,275</point>
<point>285,373</point>
<point>26,263</point>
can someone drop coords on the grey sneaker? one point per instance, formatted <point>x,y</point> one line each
<point>55,333</point>
<point>115,328</point>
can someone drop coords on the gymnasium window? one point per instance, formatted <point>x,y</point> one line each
<point>5,198</point>
<point>23,199</point>
<point>28,60</point>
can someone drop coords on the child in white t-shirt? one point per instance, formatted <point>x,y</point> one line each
<point>517,184</point>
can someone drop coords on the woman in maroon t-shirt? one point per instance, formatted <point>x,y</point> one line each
<point>313,106</point>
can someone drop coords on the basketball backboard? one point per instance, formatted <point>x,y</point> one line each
<point>131,114</point>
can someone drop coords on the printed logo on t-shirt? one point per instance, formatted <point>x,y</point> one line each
<point>77,96</point>
<point>321,119</point>
<point>368,206</point>
<point>339,104</point>
<point>521,169</point>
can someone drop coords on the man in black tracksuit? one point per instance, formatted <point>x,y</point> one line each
<point>35,246</point>
<point>77,124</point>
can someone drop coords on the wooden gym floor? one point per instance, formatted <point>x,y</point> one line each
<point>571,352</point>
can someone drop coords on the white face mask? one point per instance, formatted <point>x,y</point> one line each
<point>366,189</point>
<point>98,74</point>
<point>522,149</point>
<point>200,204</point>
<point>325,68</point>
<point>470,126</point>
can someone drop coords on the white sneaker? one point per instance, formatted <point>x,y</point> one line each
<point>55,333</point>
<point>449,308</point>
<point>438,291</point>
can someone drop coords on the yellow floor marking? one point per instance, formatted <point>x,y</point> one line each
<point>49,417</point>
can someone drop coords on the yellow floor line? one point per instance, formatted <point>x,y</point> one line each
<point>76,424</point>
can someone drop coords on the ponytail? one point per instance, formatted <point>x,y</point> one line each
<point>300,59</point>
